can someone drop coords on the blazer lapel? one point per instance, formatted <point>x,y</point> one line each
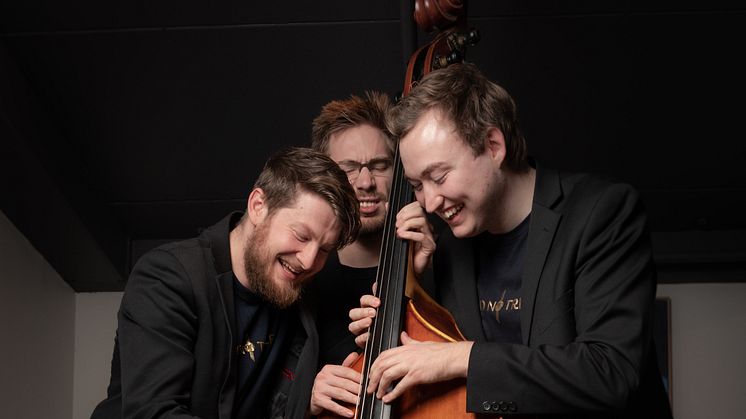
<point>218,241</point>
<point>542,228</point>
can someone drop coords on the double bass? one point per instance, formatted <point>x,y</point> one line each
<point>404,304</point>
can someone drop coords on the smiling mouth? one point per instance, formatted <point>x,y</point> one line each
<point>451,212</point>
<point>290,268</point>
<point>368,204</point>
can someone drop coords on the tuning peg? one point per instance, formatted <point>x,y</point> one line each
<point>454,57</point>
<point>442,61</point>
<point>473,37</point>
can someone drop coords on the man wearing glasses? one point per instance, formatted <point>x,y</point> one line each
<point>353,133</point>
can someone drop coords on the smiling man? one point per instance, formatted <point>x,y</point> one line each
<point>548,274</point>
<point>353,133</point>
<point>212,327</point>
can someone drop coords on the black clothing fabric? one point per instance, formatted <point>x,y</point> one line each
<point>174,355</point>
<point>336,289</point>
<point>499,265</point>
<point>263,333</point>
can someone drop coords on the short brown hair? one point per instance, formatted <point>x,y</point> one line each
<point>298,169</point>
<point>472,103</point>
<point>339,115</point>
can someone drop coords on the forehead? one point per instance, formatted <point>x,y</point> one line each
<point>310,211</point>
<point>359,143</point>
<point>432,142</point>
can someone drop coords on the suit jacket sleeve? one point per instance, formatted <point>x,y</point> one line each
<point>604,316</point>
<point>157,332</point>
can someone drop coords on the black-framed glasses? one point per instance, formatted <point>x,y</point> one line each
<point>376,167</point>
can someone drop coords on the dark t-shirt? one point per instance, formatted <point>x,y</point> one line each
<point>338,289</point>
<point>499,263</point>
<point>263,334</point>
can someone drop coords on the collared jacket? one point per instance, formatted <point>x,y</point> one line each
<point>588,288</point>
<point>174,355</point>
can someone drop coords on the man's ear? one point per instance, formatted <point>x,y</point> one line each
<point>495,145</point>
<point>257,206</point>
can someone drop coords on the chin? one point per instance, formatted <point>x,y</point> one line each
<point>463,231</point>
<point>285,285</point>
<point>371,226</point>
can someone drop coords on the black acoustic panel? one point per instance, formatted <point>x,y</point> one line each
<point>653,101</point>
<point>192,114</point>
<point>700,247</point>
<point>491,8</point>
<point>686,101</point>
<point>88,15</point>
<point>173,220</point>
<point>698,256</point>
<point>692,209</point>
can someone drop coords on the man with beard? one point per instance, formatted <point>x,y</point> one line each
<point>548,274</point>
<point>211,327</point>
<point>353,133</point>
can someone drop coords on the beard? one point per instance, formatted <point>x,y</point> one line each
<point>258,264</point>
<point>372,225</point>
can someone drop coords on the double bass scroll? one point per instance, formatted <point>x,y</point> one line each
<point>447,20</point>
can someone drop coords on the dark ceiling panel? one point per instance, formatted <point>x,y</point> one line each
<point>83,15</point>
<point>191,114</point>
<point>173,220</point>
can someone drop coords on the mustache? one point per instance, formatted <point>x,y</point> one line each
<point>366,196</point>
<point>295,266</point>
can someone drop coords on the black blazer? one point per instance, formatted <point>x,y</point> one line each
<point>174,355</point>
<point>587,305</point>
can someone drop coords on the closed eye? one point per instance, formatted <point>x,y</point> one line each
<point>300,237</point>
<point>379,166</point>
<point>325,249</point>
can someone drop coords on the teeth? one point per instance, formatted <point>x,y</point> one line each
<point>288,267</point>
<point>453,211</point>
<point>367,203</point>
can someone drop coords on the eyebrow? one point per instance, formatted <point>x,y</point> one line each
<point>373,160</point>
<point>429,169</point>
<point>307,230</point>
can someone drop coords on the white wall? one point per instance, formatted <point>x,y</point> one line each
<point>37,329</point>
<point>708,343</point>
<point>95,326</point>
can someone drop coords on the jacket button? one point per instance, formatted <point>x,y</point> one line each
<point>512,407</point>
<point>486,406</point>
<point>495,406</point>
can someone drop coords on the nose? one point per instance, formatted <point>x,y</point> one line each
<point>432,199</point>
<point>307,255</point>
<point>365,179</point>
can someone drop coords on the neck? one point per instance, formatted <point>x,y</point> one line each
<point>238,238</point>
<point>363,252</point>
<point>517,199</point>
